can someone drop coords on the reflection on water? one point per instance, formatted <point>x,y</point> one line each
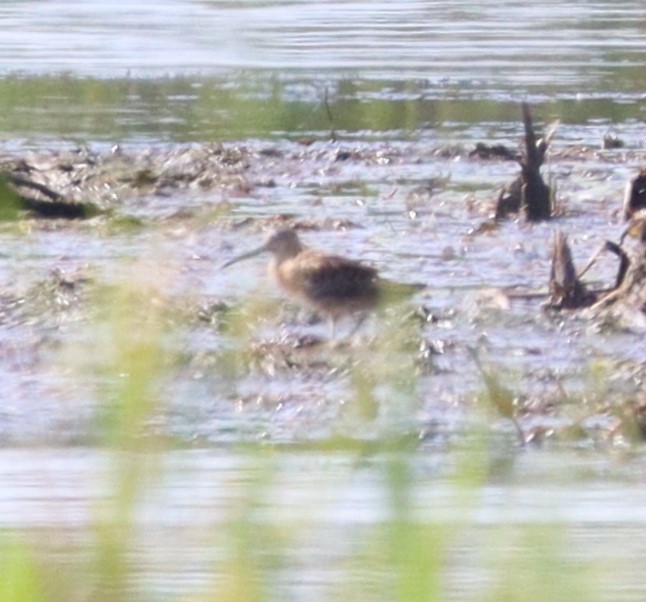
<point>474,44</point>
<point>329,507</point>
<point>217,108</point>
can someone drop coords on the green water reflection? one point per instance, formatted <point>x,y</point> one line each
<point>261,106</point>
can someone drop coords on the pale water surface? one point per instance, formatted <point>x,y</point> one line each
<point>577,47</point>
<point>328,507</point>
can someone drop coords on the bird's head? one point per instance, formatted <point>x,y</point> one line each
<point>282,243</point>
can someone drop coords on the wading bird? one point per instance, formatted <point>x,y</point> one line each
<point>332,286</point>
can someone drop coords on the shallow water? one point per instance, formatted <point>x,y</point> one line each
<point>191,70</point>
<point>457,43</point>
<point>327,506</point>
<point>380,174</point>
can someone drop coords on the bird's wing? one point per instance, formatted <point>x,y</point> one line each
<point>324,277</point>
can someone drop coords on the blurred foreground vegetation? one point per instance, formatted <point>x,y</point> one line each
<point>399,553</point>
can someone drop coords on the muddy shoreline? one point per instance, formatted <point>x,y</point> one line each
<point>175,213</point>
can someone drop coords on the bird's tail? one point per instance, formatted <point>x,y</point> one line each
<point>392,292</point>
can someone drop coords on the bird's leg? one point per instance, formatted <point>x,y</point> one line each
<point>332,323</point>
<point>332,320</point>
<point>360,320</point>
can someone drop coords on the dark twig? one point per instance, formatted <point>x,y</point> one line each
<point>48,192</point>
<point>328,111</point>
<point>58,206</point>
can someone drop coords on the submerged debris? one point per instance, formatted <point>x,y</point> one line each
<point>494,151</point>
<point>625,302</point>
<point>611,141</point>
<point>22,194</point>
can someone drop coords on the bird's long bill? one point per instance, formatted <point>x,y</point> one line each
<point>244,256</point>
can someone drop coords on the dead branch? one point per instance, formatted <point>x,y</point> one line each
<point>528,190</point>
<point>566,289</point>
<point>635,196</point>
